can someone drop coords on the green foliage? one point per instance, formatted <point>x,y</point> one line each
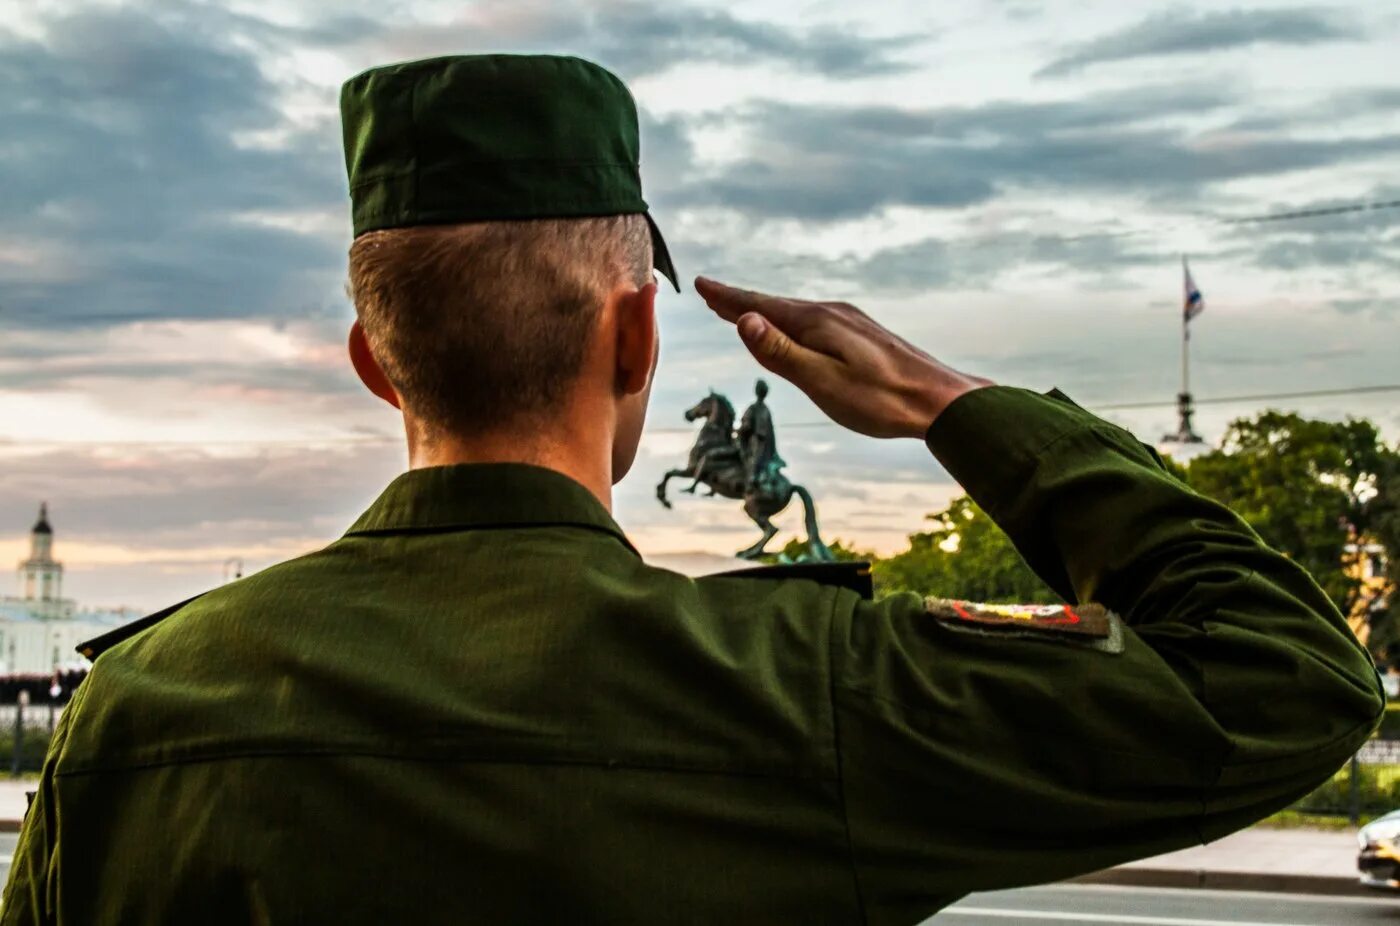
<point>796,548</point>
<point>1176,469</point>
<point>1294,820</point>
<point>965,556</point>
<point>1301,484</point>
<point>34,744</point>
<point>1381,523</point>
<point>1390,723</point>
<point>1379,787</point>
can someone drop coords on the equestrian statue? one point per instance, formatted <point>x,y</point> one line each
<point>744,463</point>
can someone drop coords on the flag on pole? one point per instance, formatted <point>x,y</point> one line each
<point>1193,305</point>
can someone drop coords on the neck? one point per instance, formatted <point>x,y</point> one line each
<point>583,453</point>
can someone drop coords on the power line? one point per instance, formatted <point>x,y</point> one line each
<point>377,441</point>
<point>1266,397</point>
<point>1258,219</point>
<point>1119,406</point>
<point>1311,213</point>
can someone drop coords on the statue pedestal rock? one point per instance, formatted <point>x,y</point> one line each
<point>743,463</point>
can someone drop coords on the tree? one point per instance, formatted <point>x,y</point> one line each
<point>795,549</point>
<point>1381,524</point>
<point>965,556</point>
<point>1307,487</point>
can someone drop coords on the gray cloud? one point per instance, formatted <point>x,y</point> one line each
<point>186,497</point>
<point>1182,33</point>
<point>978,263</point>
<point>821,163</point>
<point>1368,305</point>
<point>1348,251</point>
<point>1359,242</point>
<point>130,177</point>
<point>637,38</point>
<point>667,152</point>
<point>1363,246</point>
<point>151,173</point>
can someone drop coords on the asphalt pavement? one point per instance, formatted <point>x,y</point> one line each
<point>1106,905</point>
<point>1102,905</point>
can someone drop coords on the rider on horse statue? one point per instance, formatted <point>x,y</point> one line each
<point>743,463</point>
<point>758,443</point>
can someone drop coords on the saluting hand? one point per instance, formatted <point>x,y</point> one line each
<point>861,375</point>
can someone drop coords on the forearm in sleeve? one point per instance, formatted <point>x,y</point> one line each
<point>1096,515</point>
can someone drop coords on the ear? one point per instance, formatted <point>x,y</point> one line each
<point>637,339</point>
<point>368,368</point>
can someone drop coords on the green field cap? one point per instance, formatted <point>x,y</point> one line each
<point>474,138</point>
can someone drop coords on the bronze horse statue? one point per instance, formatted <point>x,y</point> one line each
<point>717,462</point>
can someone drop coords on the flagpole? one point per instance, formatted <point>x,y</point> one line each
<point>1185,354</point>
<point>1184,433</point>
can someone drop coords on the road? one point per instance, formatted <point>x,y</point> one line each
<point>1099,905</point>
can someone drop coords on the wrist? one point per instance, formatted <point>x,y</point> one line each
<point>932,398</point>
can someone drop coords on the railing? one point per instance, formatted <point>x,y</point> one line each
<point>1366,787</point>
<point>25,731</point>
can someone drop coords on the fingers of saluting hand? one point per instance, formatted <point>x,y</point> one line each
<point>862,375</point>
<point>794,327</point>
<point>731,303</point>
<point>778,352</point>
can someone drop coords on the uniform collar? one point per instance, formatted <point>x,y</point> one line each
<point>469,495</point>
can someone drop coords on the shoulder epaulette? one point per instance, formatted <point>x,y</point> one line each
<point>848,575</point>
<point>100,644</point>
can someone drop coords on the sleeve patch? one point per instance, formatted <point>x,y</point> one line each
<point>1092,621</point>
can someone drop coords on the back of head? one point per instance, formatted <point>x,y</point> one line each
<point>484,325</point>
<point>497,204</point>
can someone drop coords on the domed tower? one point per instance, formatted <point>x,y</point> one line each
<point>41,576</point>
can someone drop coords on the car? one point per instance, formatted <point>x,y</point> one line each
<point>1379,861</point>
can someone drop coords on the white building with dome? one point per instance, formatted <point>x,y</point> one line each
<point>39,628</point>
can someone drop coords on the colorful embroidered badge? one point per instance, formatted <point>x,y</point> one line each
<point>1088,620</point>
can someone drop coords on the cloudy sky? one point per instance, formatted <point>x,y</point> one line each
<point>1009,183</point>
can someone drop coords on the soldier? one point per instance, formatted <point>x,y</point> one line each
<point>480,705</point>
<point>757,442</point>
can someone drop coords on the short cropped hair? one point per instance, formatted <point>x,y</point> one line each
<point>483,325</point>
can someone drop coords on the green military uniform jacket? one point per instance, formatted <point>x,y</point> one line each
<point>482,706</point>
